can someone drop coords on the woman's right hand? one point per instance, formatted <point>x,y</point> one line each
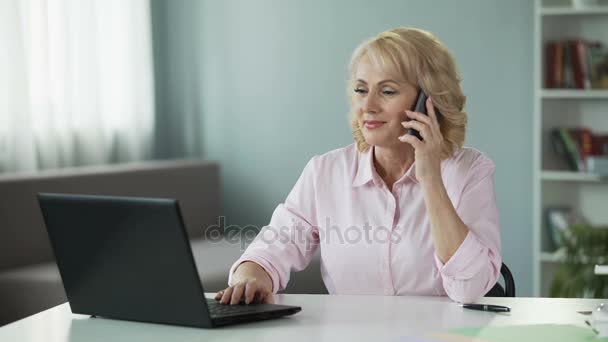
<point>251,285</point>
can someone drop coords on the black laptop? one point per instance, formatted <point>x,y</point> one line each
<point>129,258</point>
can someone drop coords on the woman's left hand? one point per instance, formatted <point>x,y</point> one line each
<point>428,150</point>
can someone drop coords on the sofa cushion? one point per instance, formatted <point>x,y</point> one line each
<point>28,290</point>
<point>23,237</point>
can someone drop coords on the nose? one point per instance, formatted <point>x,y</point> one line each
<point>370,103</point>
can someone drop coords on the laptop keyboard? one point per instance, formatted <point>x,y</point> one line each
<point>217,309</point>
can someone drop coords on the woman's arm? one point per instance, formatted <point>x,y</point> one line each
<point>290,240</point>
<point>467,237</point>
<point>447,229</point>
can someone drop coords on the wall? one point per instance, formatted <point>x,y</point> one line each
<point>264,83</point>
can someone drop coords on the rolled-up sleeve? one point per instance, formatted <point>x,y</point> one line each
<point>290,240</point>
<point>475,266</point>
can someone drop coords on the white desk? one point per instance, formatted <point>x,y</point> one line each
<point>323,318</point>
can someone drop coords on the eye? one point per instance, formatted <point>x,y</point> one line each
<point>389,92</point>
<point>360,91</point>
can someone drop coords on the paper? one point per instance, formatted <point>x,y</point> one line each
<point>601,269</point>
<point>443,337</point>
<point>518,333</point>
<point>530,333</point>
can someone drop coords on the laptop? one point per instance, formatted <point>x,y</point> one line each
<point>129,258</point>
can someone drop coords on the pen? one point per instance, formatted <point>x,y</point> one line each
<point>486,307</point>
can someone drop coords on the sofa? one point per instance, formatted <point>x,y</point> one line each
<point>29,279</point>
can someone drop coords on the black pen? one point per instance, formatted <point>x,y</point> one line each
<point>486,307</point>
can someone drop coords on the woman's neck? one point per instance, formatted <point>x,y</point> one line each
<point>392,163</point>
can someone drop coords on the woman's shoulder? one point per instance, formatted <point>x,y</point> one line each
<point>469,156</point>
<point>340,159</point>
<point>468,162</point>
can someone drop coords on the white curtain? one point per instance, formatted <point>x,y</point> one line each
<point>76,83</point>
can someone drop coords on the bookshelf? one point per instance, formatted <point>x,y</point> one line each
<point>574,94</point>
<point>553,257</point>
<point>569,10</point>
<point>571,176</point>
<point>553,183</point>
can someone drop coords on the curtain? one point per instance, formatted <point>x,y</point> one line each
<point>76,83</point>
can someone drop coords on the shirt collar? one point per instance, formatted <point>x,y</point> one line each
<point>410,173</point>
<point>365,167</point>
<point>366,172</point>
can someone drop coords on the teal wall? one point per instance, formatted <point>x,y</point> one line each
<point>259,85</point>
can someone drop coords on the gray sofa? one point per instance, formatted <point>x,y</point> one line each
<point>29,279</point>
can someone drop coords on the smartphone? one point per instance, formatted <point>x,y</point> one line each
<point>420,107</point>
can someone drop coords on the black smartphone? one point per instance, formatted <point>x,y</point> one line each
<point>420,107</point>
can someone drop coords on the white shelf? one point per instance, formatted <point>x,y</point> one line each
<point>574,94</point>
<point>553,257</point>
<point>559,256</point>
<point>566,10</point>
<point>571,176</point>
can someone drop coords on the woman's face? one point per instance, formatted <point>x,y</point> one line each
<point>380,102</point>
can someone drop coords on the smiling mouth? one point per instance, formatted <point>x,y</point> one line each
<point>372,124</point>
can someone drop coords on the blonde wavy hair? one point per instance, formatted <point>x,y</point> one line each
<point>423,62</point>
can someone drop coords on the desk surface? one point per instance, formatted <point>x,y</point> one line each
<point>323,318</point>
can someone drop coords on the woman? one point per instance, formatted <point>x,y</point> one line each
<point>392,214</point>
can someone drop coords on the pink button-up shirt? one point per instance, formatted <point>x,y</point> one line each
<point>375,240</point>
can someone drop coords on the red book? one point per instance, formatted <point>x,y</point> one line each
<point>578,61</point>
<point>581,52</point>
<point>584,141</point>
<point>575,64</point>
<point>559,65</point>
<point>550,80</point>
<point>599,145</point>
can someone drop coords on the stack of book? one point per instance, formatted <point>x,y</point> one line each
<point>576,64</point>
<point>582,150</point>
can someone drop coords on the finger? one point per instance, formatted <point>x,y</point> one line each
<point>430,108</point>
<point>420,127</point>
<point>412,140</point>
<point>250,290</point>
<point>237,294</point>
<point>259,297</point>
<point>419,117</point>
<point>268,298</point>
<point>227,295</point>
<point>219,295</point>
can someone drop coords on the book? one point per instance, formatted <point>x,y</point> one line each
<point>558,220</point>
<point>575,63</point>
<point>550,74</point>
<point>578,64</point>
<point>559,65</point>
<point>598,64</point>
<point>584,142</point>
<point>572,150</point>
<point>575,146</point>
<point>599,145</point>
<point>560,144</point>
<point>597,164</point>
<point>566,66</point>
